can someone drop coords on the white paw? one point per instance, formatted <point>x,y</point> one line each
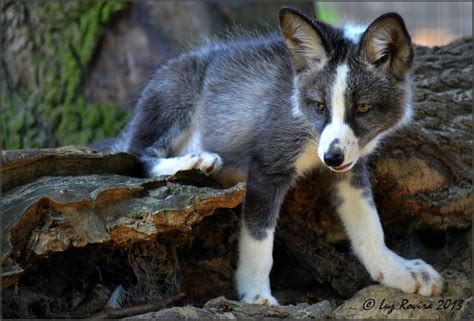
<point>411,276</point>
<point>428,281</point>
<point>208,163</point>
<point>262,299</point>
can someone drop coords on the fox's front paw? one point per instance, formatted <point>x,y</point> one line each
<point>412,276</point>
<point>428,281</point>
<point>262,299</point>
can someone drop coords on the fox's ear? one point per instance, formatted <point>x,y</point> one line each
<point>303,39</point>
<point>387,44</point>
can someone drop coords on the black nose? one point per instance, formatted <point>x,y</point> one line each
<point>334,158</point>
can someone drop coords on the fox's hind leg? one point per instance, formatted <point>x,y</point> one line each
<point>182,151</point>
<point>208,163</point>
<point>179,152</point>
<point>163,131</point>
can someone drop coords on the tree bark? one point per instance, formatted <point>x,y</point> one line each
<point>89,202</point>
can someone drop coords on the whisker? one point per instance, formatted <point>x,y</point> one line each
<point>316,139</point>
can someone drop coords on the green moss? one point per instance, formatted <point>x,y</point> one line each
<point>81,123</point>
<point>64,35</point>
<point>19,122</point>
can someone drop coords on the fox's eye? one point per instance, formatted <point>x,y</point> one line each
<point>320,105</point>
<point>362,108</point>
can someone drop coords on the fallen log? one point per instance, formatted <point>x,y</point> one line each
<point>23,166</point>
<point>55,213</point>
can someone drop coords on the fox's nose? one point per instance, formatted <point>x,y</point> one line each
<point>334,158</point>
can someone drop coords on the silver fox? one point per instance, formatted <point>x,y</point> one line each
<point>271,109</point>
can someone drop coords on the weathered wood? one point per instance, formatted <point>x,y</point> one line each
<point>23,166</point>
<point>53,214</point>
<point>221,308</point>
<point>136,310</point>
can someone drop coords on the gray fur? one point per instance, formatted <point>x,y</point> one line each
<point>238,96</point>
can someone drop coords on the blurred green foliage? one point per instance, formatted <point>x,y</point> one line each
<point>327,12</point>
<point>49,111</point>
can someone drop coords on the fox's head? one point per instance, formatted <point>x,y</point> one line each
<point>351,85</point>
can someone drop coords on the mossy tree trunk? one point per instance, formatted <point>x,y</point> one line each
<point>47,47</point>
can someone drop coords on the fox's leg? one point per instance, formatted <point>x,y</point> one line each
<point>261,208</point>
<point>162,136</point>
<point>162,131</point>
<point>355,205</point>
<point>208,163</point>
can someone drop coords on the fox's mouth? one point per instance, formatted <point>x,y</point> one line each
<point>342,168</point>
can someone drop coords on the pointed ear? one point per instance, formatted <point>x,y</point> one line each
<point>387,44</point>
<point>303,39</point>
